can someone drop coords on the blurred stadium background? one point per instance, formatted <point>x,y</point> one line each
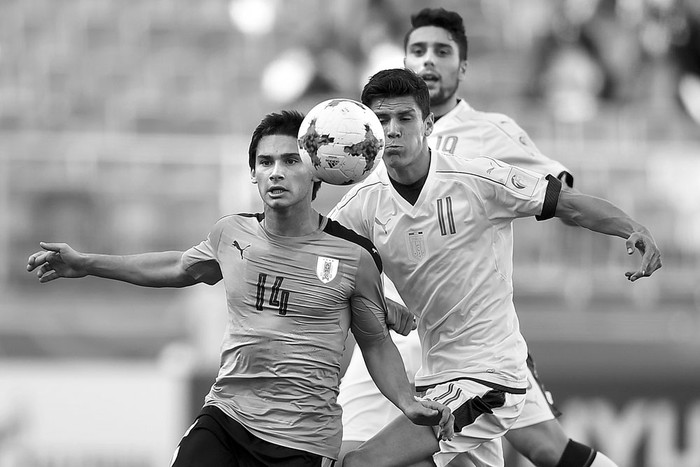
<point>124,128</point>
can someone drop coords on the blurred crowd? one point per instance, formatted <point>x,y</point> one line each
<point>579,54</point>
<point>214,66</point>
<point>612,51</point>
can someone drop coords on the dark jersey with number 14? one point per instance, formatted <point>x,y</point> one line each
<point>291,301</point>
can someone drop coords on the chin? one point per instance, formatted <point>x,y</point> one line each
<point>391,155</point>
<point>393,159</point>
<point>437,99</point>
<point>276,203</point>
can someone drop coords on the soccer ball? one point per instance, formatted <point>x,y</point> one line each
<point>341,139</point>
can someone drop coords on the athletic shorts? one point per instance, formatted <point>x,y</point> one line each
<point>216,440</point>
<point>366,410</point>
<point>539,404</point>
<point>482,416</point>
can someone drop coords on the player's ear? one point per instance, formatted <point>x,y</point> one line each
<point>429,122</point>
<point>252,177</point>
<point>462,70</point>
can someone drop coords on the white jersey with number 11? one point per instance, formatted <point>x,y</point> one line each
<point>450,257</point>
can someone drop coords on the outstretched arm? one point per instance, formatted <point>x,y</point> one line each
<point>161,269</point>
<point>602,216</point>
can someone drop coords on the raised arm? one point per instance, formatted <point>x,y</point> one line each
<point>161,269</point>
<point>602,216</point>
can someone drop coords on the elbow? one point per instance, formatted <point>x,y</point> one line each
<point>210,281</point>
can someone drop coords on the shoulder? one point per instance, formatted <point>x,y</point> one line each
<point>336,229</point>
<point>447,163</point>
<point>490,126</point>
<point>235,222</point>
<point>463,111</point>
<point>375,183</point>
<point>499,121</point>
<point>239,219</point>
<point>504,138</point>
<point>478,168</point>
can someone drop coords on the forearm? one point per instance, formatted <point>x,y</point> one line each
<point>161,269</point>
<point>596,214</point>
<point>387,370</point>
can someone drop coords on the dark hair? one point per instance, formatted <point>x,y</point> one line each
<point>440,18</point>
<point>284,123</point>
<point>397,82</point>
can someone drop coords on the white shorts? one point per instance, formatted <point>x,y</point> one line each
<point>482,416</point>
<point>539,404</point>
<point>366,410</point>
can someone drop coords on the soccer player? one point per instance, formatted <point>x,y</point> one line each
<point>443,226</point>
<point>295,283</point>
<point>436,49</point>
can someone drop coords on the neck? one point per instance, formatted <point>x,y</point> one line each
<point>441,109</point>
<point>290,222</point>
<point>412,172</point>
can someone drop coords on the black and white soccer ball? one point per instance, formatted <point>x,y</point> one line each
<point>341,140</point>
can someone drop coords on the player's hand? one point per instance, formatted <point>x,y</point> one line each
<point>399,318</point>
<point>56,260</point>
<point>651,256</point>
<point>431,413</point>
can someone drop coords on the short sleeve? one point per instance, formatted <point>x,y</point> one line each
<point>510,192</point>
<point>508,142</point>
<point>201,261</point>
<point>367,303</point>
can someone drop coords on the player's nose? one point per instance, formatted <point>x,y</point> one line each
<point>277,171</point>
<point>392,128</point>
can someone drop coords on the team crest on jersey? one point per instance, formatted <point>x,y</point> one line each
<point>326,269</point>
<point>521,181</point>
<point>416,245</point>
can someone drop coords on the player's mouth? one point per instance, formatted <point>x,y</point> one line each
<point>276,191</point>
<point>429,77</point>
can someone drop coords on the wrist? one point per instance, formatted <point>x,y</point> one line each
<point>87,263</point>
<point>406,402</point>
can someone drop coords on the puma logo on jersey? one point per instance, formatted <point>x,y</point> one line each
<point>238,247</point>
<point>382,224</point>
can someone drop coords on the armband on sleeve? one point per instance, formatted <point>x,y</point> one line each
<point>551,197</point>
